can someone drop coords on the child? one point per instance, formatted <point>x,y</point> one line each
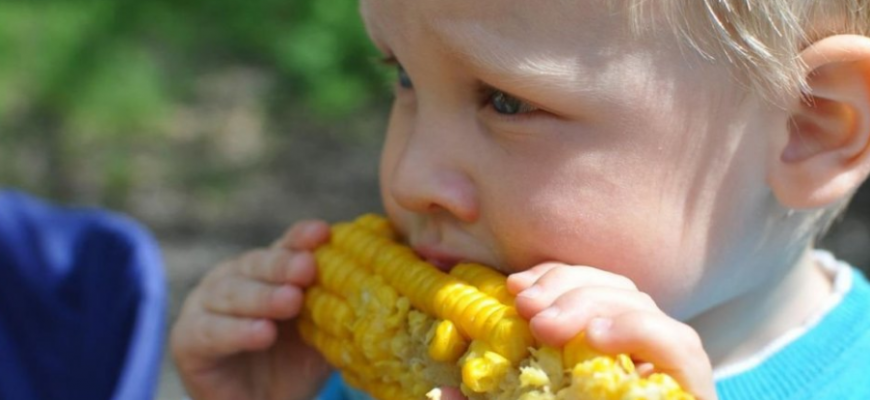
<point>652,173</point>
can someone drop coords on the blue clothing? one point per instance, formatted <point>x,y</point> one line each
<point>337,389</point>
<point>831,360</point>
<point>82,303</point>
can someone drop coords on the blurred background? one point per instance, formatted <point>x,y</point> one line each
<point>216,123</point>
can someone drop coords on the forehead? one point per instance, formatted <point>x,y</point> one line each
<point>450,22</point>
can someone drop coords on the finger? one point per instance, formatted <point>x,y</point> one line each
<point>451,393</point>
<point>557,275</point>
<point>241,296</point>
<point>278,265</point>
<point>555,282</point>
<point>211,336</point>
<point>670,346</point>
<point>520,281</point>
<point>304,235</point>
<point>568,315</point>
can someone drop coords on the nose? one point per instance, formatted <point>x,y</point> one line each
<point>432,173</point>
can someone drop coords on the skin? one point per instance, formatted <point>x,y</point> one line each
<point>639,194</point>
<point>619,169</point>
<point>235,339</point>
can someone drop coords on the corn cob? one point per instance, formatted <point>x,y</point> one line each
<point>397,327</point>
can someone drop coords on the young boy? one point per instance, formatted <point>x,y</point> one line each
<point>652,173</point>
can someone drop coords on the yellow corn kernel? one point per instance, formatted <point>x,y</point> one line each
<point>377,225</point>
<point>577,351</point>
<point>447,343</point>
<point>335,350</point>
<point>398,328</point>
<point>545,369</point>
<point>329,312</point>
<point>484,374</point>
<point>485,279</point>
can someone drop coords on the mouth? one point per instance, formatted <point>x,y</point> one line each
<point>442,260</point>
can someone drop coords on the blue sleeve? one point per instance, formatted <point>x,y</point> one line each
<point>82,303</point>
<point>333,389</point>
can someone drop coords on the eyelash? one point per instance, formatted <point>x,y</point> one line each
<point>487,94</point>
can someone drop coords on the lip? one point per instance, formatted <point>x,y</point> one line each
<point>443,260</point>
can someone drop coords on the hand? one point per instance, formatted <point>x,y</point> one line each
<point>236,336</point>
<point>560,301</point>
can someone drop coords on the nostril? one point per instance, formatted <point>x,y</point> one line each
<point>456,194</point>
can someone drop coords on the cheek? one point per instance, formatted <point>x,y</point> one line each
<point>394,141</point>
<point>391,151</point>
<point>621,229</point>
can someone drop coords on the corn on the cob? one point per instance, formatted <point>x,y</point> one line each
<point>398,327</point>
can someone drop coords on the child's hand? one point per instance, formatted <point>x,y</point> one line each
<point>236,338</point>
<point>561,301</point>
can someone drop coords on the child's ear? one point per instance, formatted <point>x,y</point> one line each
<point>827,153</point>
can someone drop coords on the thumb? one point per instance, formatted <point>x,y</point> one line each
<point>304,236</point>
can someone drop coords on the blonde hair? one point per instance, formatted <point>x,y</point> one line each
<point>762,38</point>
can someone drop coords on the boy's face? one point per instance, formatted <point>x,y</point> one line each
<point>527,132</point>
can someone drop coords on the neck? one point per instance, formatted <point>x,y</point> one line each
<point>764,313</point>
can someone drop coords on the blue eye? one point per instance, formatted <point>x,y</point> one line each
<point>404,79</point>
<point>504,103</point>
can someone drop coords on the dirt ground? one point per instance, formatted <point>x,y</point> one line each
<point>186,263</point>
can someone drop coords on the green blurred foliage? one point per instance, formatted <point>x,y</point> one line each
<point>89,86</point>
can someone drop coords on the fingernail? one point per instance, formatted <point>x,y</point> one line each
<point>258,325</point>
<point>522,276</point>
<point>283,292</point>
<point>296,260</point>
<point>310,230</point>
<point>550,313</point>
<point>599,326</point>
<point>532,292</point>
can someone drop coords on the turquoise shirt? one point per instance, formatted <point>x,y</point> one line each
<point>831,360</point>
<point>336,389</point>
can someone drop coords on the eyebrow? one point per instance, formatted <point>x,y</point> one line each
<point>463,43</point>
